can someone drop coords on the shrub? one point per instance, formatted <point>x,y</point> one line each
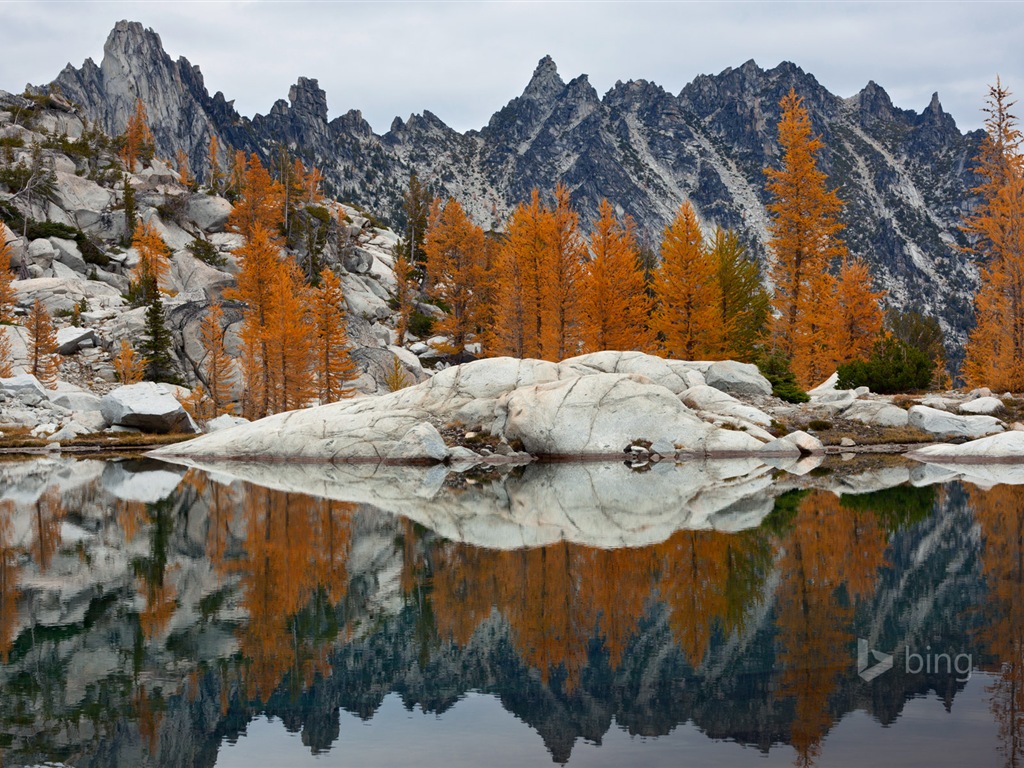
<point>206,252</point>
<point>894,366</point>
<point>775,368</point>
<point>818,425</point>
<point>421,325</point>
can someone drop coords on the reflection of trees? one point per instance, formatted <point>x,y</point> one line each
<point>1000,512</point>
<point>559,597</point>
<point>710,580</point>
<point>8,582</point>
<point>830,559</point>
<point>293,573</point>
<point>49,512</point>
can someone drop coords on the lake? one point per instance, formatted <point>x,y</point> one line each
<point>725,613</point>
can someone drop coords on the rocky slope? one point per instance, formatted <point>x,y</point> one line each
<point>62,212</point>
<point>904,175</point>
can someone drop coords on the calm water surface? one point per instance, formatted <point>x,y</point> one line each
<point>155,616</point>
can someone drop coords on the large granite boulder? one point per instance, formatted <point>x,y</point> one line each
<point>950,425</point>
<point>146,406</point>
<point>876,413</point>
<point>25,387</point>
<point>737,378</point>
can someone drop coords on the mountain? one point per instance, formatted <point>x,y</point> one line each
<point>905,176</point>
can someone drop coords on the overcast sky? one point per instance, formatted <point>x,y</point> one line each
<point>464,60</point>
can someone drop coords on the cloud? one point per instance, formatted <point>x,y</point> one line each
<point>463,61</point>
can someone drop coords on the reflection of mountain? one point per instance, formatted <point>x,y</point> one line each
<point>228,601</point>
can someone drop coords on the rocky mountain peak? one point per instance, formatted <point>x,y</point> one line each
<point>546,83</point>
<point>309,99</point>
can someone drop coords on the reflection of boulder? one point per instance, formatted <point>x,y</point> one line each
<point>594,504</point>
<point>146,485</point>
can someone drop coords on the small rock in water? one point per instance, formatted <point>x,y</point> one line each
<point>846,442</point>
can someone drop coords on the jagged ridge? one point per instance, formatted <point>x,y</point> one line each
<point>906,177</point>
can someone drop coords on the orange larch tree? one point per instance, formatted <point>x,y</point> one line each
<point>260,202</point>
<point>995,352</point>
<point>688,317</point>
<point>519,287</point>
<point>455,268</point>
<point>42,345</point>
<point>858,317</point>
<point>216,179</point>
<point>151,271</point>
<point>615,305</point>
<point>561,330</point>
<point>6,355</point>
<point>289,340</point>
<point>804,242</point>
<point>334,368</point>
<point>184,173</point>
<point>7,298</point>
<point>138,139</point>
<point>128,365</point>
<point>218,367</point>
<point>260,268</point>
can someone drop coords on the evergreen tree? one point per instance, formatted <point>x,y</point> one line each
<point>157,342</point>
<point>746,305</point>
<point>416,207</point>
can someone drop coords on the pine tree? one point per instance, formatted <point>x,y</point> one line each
<point>455,269</point>
<point>334,367</point>
<point>745,302</point>
<point>416,207</point>
<point>128,366</point>
<point>995,353</point>
<point>805,241</point>
<point>137,138</point>
<point>130,214</point>
<point>615,305</point>
<point>150,274</point>
<point>405,287</point>
<point>688,318</point>
<point>42,345</point>
<point>218,367</point>
<point>157,342</point>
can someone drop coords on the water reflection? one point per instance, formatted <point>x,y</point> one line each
<point>147,613</point>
